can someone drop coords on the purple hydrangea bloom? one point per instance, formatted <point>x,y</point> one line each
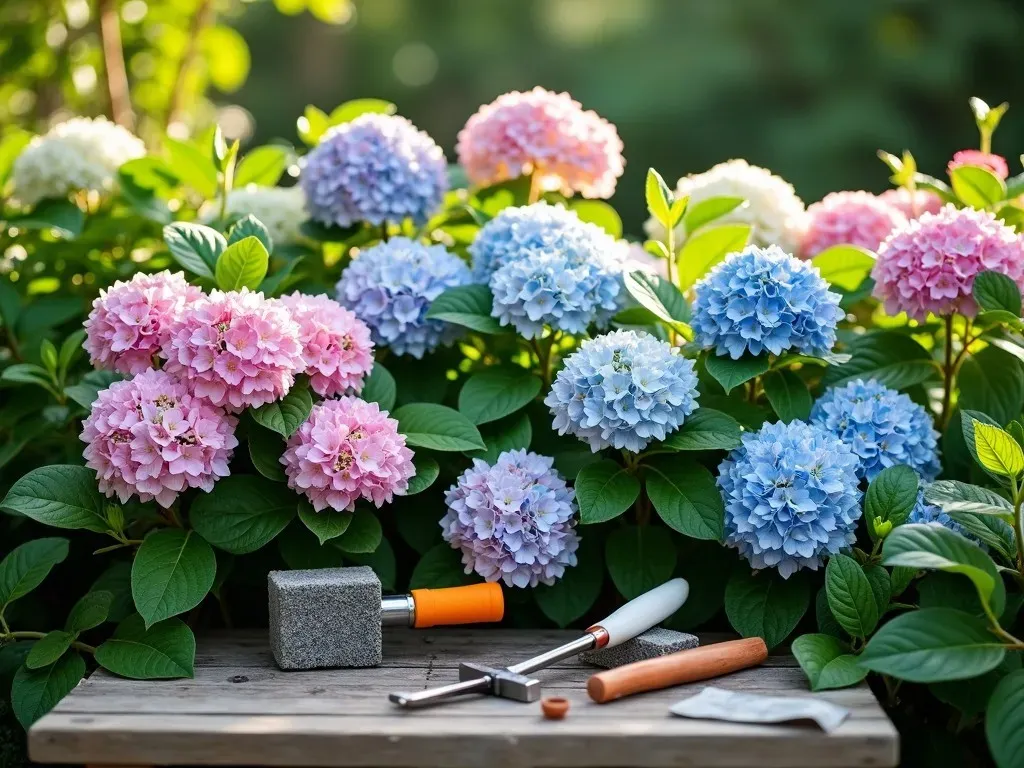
<point>884,427</point>
<point>390,287</point>
<point>623,390</point>
<point>513,521</point>
<point>763,299</point>
<point>376,168</point>
<point>791,496</point>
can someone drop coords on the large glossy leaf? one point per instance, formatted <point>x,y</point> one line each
<point>936,547</point>
<point>931,645</point>
<point>493,394</point>
<point>685,496</point>
<point>243,513</point>
<point>705,430</point>
<point>437,427</point>
<point>172,573</point>
<point>165,650</point>
<point>766,605</point>
<point>605,490</point>
<point>60,495</point>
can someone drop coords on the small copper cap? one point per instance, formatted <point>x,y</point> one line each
<point>554,707</point>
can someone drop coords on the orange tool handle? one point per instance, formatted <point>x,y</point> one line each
<point>458,605</point>
<point>681,667</point>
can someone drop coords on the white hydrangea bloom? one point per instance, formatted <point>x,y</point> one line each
<point>772,207</point>
<point>81,154</point>
<point>281,209</point>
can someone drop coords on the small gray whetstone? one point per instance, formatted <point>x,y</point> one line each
<point>649,645</point>
<point>329,617</point>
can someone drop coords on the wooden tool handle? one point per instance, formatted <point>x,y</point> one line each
<point>681,667</point>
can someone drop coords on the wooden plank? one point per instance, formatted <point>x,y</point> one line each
<point>465,742</point>
<point>241,710</point>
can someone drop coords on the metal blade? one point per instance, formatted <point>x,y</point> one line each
<point>441,693</point>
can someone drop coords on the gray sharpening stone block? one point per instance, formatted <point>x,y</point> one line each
<point>651,644</point>
<point>328,617</point>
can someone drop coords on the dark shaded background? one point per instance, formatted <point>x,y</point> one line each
<point>808,88</point>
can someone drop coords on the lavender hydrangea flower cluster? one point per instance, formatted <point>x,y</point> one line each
<point>791,496</point>
<point>546,267</point>
<point>884,427</point>
<point>513,521</point>
<point>390,287</point>
<point>763,299</point>
<point>623,390</point>
<point>376,168</point>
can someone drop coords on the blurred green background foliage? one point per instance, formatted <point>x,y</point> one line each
<point>800,86</point>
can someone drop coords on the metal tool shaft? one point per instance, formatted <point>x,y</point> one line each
<point>434,695</point>
<point>544,660</point>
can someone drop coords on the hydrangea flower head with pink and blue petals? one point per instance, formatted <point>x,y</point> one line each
<point>884,427</point>
<point>764,300</point>
<point>390,287</point>
<point>513,520</point>
<point>623,390</point>
<point>792,496</point>
<point>376,168</point>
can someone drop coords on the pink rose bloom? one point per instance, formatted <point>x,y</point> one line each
<point>130,320</point>
<point>151,437</point>
<point>348,450</point>
<point>574,150</point>
<point>930,264</point>
<point>848,218</point>
<point>336,345</point>
<point>236,349</point>
<point>913,204</point>
<point>995,163</point>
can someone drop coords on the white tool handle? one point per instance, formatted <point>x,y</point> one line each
<point>644,612</point>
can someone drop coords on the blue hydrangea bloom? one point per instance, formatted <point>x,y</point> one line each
<point>376,168</point>
<point>763,299</point>
<point>513,521</point>
<point>925,513</point>
<point>623,390</point>
<point>791,496</point>
<point>884,427</point>
<point>390,287</point>
<point>517,232</point>
<point>567,291</point>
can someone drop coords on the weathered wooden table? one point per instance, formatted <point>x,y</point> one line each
<point>241,710</point>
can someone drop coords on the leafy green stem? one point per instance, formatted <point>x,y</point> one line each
<point>26,635</point>
<point>1018,525</point>
<point>948,375</point>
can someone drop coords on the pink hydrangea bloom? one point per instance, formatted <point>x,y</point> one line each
<point>151,437</point>
<point>930,264</point>
<point>574,150</point>
<point>346,450</point>
<point>130,320</point>
<point>912,204</point>
<point>848,218</point>
<point>336,345</point>
<point>995,163</point>
<point>237,349</point>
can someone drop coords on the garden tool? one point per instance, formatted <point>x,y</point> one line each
<point>636,616</point>
<point>332,617</point>
<point>676,668</point>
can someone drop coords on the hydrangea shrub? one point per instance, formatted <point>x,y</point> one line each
<point>806,413</point>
